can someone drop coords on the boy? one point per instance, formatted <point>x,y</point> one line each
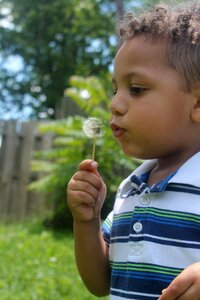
<point>149,247</point>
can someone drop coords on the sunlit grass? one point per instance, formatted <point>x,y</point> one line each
<point>37,264</point>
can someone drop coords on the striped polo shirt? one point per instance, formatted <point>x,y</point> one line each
<point>153,233</point>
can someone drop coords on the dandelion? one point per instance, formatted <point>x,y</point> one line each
<point>93,128</point>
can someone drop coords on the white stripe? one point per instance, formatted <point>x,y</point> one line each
<point>152,253</point>
<point>134,293</point>
<point>120,237</point>
<point>166,239</point>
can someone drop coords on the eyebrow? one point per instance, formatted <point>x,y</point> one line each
<point>131,75</point>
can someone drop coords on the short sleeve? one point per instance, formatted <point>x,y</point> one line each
<point>106,228</point>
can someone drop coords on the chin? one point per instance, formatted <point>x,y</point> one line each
<point>136,154</point>
<point>132,154</point>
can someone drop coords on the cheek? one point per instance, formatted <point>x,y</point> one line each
<point>144,120</point>
<point>158,114</point>
<point>152,125</point>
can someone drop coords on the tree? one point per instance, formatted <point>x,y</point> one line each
<point>55,39</point>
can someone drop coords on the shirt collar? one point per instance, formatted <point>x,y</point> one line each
<point>188,173</point>
<point>140,182</point>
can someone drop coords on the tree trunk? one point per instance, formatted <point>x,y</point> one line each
<point>119,15</point>
<point>119,9</point>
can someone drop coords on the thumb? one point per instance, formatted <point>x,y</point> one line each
<point>88,165</point>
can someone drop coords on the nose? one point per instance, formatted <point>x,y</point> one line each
<point>118,105</point>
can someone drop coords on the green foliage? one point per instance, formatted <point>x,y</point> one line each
<point>54,39</point>
<point>38,264</point>
<point>71,147</point>
<point>89,94</point>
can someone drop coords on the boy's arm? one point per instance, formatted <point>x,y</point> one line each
<point>185,286</point>
<point>92,257</point>
<point>85,194</point>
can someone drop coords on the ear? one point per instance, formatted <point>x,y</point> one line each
<point>195,109</point>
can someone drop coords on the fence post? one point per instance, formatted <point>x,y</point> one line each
<point>38,200</point>
<point>7,162</point>
<point>26,139</point>
<point>17,143</point>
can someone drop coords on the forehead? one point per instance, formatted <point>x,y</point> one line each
<point>140,51</point>
<point>145,58</point>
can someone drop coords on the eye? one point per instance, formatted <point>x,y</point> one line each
<point>137,90</point>
<point>114,91</point>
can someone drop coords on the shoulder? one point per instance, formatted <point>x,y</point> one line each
<point>188,173</point>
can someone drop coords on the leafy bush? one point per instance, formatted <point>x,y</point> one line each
<point>71,147</point>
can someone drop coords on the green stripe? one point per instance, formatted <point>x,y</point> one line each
<point>123,216</point>
<point>108,223</point>
<point>146,268</point>
<point>168,214</point>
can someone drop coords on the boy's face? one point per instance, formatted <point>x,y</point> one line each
<point>150,110</point>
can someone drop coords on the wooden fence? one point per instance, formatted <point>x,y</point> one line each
<point>17,142</point>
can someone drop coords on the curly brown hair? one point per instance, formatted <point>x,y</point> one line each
<point>179,25</point>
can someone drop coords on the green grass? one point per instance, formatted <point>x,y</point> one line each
<point>36,264</point>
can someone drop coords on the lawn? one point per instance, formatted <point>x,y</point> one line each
<point>38,264</point>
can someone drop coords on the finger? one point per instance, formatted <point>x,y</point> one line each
<point>173,293</point>
<point>177,288</point>
<point>192,293</point>
<point>163,291</point>
<point>88,165</point>
<point>81,198</point>
<point>84,186</point>
<point>89,177</point>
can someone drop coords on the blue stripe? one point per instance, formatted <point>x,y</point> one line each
<point>106,232</point>
<point>154,240</point>
<point>168,221</point>
<point>119,240</point>
<point>121,222</point>
<point>171,243</point>
<point>184,188</point>
<point>143,275</point>
<point>167,229</point>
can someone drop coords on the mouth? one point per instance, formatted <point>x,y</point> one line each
<point>117,131</point>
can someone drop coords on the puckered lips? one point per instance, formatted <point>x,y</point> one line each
<point>117,130</point>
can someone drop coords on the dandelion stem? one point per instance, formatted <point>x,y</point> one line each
<point>93,149</point>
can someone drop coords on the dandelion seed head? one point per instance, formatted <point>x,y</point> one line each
<point>93,128</point>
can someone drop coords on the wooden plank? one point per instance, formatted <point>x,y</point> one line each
<point>7,161</point>
<point>38,200</point>
<point>26,138</point>
<point>17,143</point>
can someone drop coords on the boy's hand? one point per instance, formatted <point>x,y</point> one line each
<point>86,192</point>
<point>185,286</point>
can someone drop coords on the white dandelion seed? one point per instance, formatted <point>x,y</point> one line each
<point>93,128</point>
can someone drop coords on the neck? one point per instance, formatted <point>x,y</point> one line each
<point>166,166</point>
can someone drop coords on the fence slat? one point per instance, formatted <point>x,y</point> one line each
<point>7,162</point>
<point>17,143</point>
<point>25,147</point>
<point>38,201</point>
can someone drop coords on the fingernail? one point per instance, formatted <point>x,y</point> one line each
<point>94,164</point>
